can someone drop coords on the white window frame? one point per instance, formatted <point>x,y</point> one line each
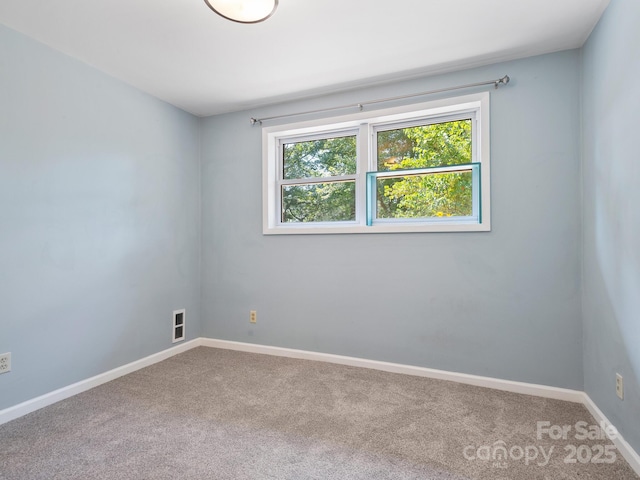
<point>366,124</point>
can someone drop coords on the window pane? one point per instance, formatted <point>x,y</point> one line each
<point>328,157</point>
<point>319,202</point>
<point>426,195</point>
<point>435,145</point>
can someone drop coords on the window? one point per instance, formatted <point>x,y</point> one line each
<point>318,181</point>
<point>419,168</point>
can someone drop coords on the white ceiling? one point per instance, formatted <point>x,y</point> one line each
<point>182,52</point>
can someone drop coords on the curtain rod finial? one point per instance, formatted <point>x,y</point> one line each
<point>501,81</point>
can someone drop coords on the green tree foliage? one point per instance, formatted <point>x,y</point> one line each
<point>433,195</point>
<point>326,157</point>
<point>319,202</point>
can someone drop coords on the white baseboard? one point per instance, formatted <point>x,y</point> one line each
<point>629,454</point>
<point>497,384</point>
<point>50,398</point>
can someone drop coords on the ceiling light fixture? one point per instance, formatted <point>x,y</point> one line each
<point>243,11</point>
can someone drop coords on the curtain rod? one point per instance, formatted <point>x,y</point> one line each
<point>496,83</point>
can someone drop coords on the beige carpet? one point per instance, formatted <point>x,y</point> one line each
<point>216,414</point>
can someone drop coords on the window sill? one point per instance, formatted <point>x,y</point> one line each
<point>443,227</point>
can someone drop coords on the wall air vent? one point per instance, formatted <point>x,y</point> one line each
<point>179,317</point>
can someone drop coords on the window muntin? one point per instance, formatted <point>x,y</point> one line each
<point>426,162</point>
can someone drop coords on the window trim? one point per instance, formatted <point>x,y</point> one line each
<point>365,123</point>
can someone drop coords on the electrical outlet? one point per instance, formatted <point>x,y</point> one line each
<point>5,362</point>
<point>253,316</point>
<point>619,386</point>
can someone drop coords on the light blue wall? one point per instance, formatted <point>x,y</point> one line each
<point>505,304</point>
<point>612,215</point>
<point>99,220</point>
